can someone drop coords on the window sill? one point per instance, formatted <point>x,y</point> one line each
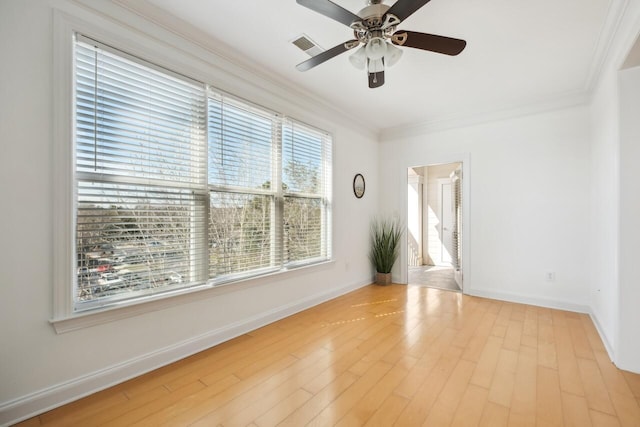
<point>117,311</point>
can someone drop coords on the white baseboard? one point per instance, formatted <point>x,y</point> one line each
<point>603,337</point>
<point>544,302</point>
<point>531,300</point>
<point>43,400</point>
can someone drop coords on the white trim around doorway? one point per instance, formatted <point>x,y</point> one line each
<point>463,158</point>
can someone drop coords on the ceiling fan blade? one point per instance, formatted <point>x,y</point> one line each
<point>402,9</point>
<point>376,79</point>
<point>330,10</point>
<point>327,55</point>
<point>430,42</point>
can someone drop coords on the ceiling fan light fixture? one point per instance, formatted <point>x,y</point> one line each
<point>359,58</point>
<point>393,55</point>
<point>376,48</point>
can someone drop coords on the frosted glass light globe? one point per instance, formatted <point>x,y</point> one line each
<point>376,48</point>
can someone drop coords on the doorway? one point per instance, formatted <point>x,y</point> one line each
<point>434,226</point>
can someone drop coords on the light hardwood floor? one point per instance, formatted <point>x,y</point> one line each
<point>383,356</point>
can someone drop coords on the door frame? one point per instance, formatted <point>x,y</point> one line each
<point>464,159</point>
<point>418,181</point>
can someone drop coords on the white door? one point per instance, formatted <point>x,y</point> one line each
<point>446,222</point>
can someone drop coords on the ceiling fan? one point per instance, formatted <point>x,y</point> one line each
<point>375,27</point>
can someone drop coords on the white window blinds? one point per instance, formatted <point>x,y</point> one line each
<point>140,175</point>
<point>306,168</point>
<point>135,121</point>
<point>244,238</point>
<point>242,139</point>
<point>178,185</point>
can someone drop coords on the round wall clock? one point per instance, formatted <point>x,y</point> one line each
<point>358,185</point>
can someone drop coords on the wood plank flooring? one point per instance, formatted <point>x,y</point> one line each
<point>382,356</point>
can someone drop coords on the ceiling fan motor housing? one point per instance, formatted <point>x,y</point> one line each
<point>375,22</point>
<point>372,14</point>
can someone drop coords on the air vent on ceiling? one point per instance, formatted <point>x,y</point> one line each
<point>304,43</point>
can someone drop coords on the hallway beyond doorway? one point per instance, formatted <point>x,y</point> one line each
<point>435,226</point>
<point>433,276</point>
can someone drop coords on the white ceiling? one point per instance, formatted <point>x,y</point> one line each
<point>518,53</point>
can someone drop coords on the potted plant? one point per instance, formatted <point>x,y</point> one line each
<point>385,238</point>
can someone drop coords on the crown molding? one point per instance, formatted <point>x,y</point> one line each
<point>452,121</point>
<point>602,50</point>
<point>174,32</point>
<point>626,40</point>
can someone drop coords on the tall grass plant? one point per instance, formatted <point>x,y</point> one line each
<point>385,239</point>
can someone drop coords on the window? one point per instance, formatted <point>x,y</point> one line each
<point>178,185</point>
<point>305,185</point>
<point>243,144</point>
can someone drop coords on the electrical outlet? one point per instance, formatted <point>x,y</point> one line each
<point>550,276</point>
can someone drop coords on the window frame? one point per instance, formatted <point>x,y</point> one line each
<point>324,195</point>
<point>64,317</point>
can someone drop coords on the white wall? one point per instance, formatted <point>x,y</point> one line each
<point>628,356</point>
<point>528,179</point>
<point>611,295</point>
<point>604,210</point>
<point>39,368</point>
